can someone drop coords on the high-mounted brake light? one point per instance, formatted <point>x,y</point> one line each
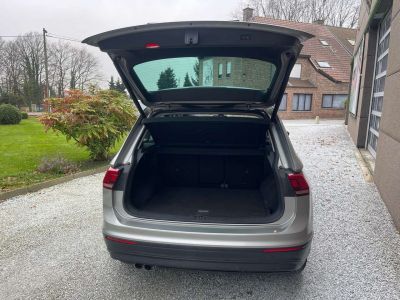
<point>152,46</point>
<point>111,177</point>
<point>299,184</point>
<point>285,249</point>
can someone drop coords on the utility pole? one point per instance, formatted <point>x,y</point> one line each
<point>46,69</point>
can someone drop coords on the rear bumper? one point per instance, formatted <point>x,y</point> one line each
<point>208,258</point>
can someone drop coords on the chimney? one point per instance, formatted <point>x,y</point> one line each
<point>247,14</point>
<point>319,21</point>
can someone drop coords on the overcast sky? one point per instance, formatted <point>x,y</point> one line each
<point>80,19</point>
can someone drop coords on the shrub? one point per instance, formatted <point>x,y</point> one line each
<point>24,115</point>
<point>95,121</point>
<point>57,165</point>
<point>9,114</point>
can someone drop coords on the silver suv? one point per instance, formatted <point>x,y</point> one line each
<point>207,178</point>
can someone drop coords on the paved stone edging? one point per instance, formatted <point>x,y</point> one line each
<point>364,166</point>
<point>42,185</point>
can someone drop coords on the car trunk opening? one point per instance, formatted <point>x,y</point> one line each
<point>205,169</point>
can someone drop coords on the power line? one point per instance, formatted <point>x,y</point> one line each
<point>61,38</point>
<point>51,35</point>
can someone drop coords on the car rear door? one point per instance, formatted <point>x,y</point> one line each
<point>138,49</point>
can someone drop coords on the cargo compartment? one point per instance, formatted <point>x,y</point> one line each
<point>205,169</point>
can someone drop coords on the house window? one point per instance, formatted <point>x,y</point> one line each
<point>301,102</point>
<point>333,101</point>
<point>228,69</point>
<point>220,67</point>
<point>283,104</point>
<point>296,71</point>
<point>323,64</point>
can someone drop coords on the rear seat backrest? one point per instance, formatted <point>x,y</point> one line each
<point>211,171</point>
<point>203,132</point>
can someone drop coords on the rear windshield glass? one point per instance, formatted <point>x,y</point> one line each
<point>214,71</point>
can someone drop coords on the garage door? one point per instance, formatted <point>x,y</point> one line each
<point>382,54</point>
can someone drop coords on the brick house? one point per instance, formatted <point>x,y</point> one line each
<point>217,71</point>
<point>319,82</point>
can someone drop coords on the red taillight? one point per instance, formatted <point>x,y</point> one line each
<point>121,241</point>
<point>111,177</point>
<point>152,46</point>
<point>299,184</point>
<point>285,249</point>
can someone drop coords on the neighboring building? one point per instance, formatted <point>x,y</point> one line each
<point>374,108</point>
<point>217,71</point>
<point>319,82</point>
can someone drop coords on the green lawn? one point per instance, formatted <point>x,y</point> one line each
<point>23,146</point>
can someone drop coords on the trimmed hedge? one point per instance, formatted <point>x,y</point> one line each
<point>9,114</point>
<point>24,115</point>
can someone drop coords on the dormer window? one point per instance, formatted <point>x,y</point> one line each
<point>352,42</point>
<point>296,71</point>
<point>323,42</point>
<point>323,64</point>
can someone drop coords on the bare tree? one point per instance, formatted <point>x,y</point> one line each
<point>2,65</point>
<point>10,68</point>
<point>30,52</point>
<point>71,68</point>
<point>84,69</point>
<point>60,57</point>
<point>22,69</point>
<point>10,74</point>
<point>319,10</point>
<point>293,10</point>
<point>343,13</point>
<point>2,43</point>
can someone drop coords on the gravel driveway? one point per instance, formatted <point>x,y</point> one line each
<point>51,244</point>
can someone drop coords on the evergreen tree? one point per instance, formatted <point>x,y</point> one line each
<point>196,69</point>
<point>116,85</point>
<point>187,81</point>
<point>111,84</point>
<point>119,86</point>
<point>167,79</point>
